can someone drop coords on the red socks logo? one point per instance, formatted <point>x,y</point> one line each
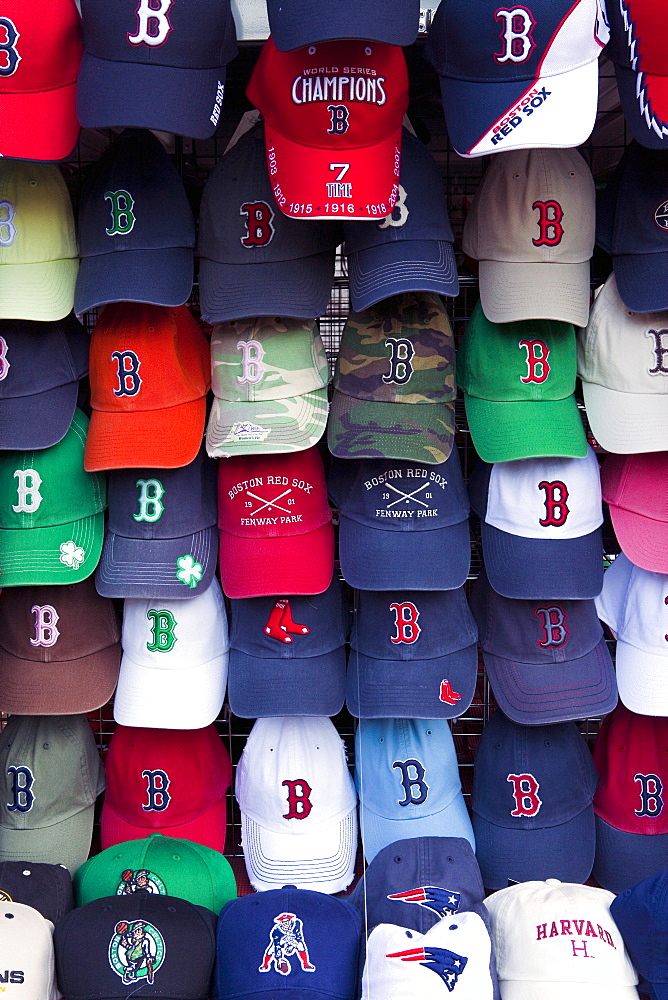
<point>280,623</point>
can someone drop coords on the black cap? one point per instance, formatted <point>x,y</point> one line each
<point>47,888</point>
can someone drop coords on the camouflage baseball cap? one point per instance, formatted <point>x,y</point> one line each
<point>269,377</point>
<point>398,352</point>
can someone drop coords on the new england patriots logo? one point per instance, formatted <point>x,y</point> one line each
<point>637,20</point>
<point>442,902</point>
<point>446,964</point>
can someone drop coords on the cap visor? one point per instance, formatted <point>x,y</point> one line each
<point>187,698</point>
<point>266,688</point>
<point>643,539</point>
<point>39,421</point>
<point>262,567</point>
<point>29,687</point>
<point>417,432</point>
<point>648,128</point>
<point>41,292</point>
<point>624,859</point>
<point>378,832</point>
<point>160,439</point>
<point>208,829</point>
<point>271,426</point>
<point>67,843</point>
<point>642,679</point>
<point>541,990</point>
<point>298,288</point>
<point>40,126</point>
<point>163,277</point>
<point>323,862</point>
<point>402,266</point>
<point>503,431</point>
<point>642,281</point>
<point>619,420</point>
<point>511,291</point>
<point>36,555</point>
<point>147,568</point>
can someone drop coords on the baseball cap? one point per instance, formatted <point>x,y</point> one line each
<point>269,379</point>
<point>631,829</point>
<point>382,503</point>
<point>516,78</point>
<point>418,882</point>
<point>27,940</point>
<point>165,866</point>
<point>635,487</point>
<point>38,255</point>
<point>547,661</point>
<point>411,248</point>
<point>621,364</point>
<point>632,603</point>
<point>40,368</point>
<point>288,942</point>
<point>413,655</point>
<point>254,259</point>
<point>149,376</point>
<point>59,649</point>
<point>136,227</point>
<point>394,384</point>
<point>169,781</point>
<point>298,806</point>
<point>155,67</point>
<point>523,406</point>
<point>531,226</point>
<point>42,50</point>
<point>408,783</point>
<point>276,534</point>
<point>541,526</point>
<point>640,915</point>
<point>44,887</point>
<point>541,933</point>
<point>161,538</point>
<point>528,820</point>
<point>52,512</point>
<point>337,100</point>
<point>51,777</point>
<point>288,654</point>
<point>304,22</point>
<point>174,667</point>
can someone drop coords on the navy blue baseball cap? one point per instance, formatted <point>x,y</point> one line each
<point>403,525</point>
<point>641,915</point>
<point>162,538</point>
<point>288,654</point>
<point>411,249</point>
<point>160,67</point>
<point>289,943</point>
<point>254,260</point>
<point>533,789</point>
<point>294,23</point>
<point>45,887</point>
<point>413,655</point>
<point>547,661</point>
<point>40,368</point>
<point>136,228</point>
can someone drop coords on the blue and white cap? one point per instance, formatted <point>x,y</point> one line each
<point>294,23</point>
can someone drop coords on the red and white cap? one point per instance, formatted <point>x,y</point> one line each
<point>333,114</point>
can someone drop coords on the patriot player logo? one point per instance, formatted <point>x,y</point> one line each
<point>442,902</point>
<point>447,965</point>
<point>286,939</point>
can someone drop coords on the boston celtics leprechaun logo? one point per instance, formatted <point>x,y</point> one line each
<point>136,951</point>
<point>142,880</point>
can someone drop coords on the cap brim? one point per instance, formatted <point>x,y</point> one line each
<point>322,861</point>
<point>145,439</point>
<point>269,427</point>
<point>511,291</point>
<point>266,688</point>
<point>541,990</point>
<point>624,859</point>
<point>535,694</point>
<point>643,539</point>
<point>73,687</point>
<point>263,567</point>
<point>619,420</point>
<point>187,698</point>
<point>31,556</point>
<point>642,679</point>
<point>298,288</point>
<point>378,832</point>
<point>434,559</point>
<point>642,281</point>
<point>504,431</point>
<point>401,266</point>
<point>147,568</point>
<point>417,432</point>
<point>645,127</point>
<point>66,843</point>
<point>30,423</point>
<point>163,277</point>
<point>208,829</point>
<point>41,292</point>
<point>39,126</point>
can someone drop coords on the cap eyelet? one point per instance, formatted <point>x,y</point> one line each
<point>10,916</point>
<point>26,872</point>
<point>453,927</point>
<point>397,860</point>
<point>46,745</point>
<point>171,909</point>
<point>368,50</point>
<point>311,50</point>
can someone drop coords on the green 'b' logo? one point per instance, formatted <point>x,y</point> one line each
<point>122,216</point>
<point>162,629</point>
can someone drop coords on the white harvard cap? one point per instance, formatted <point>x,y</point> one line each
<point>174,667</point>
<point>298,806</point>
<point>26,943</point>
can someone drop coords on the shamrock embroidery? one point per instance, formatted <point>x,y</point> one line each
<point>189,571</point>
<point>71,554</point>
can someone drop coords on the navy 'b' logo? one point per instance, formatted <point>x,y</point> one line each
<point>129,380</point>
<point>651,802</point>
<point>9,54</point>
<point>415,787</point>
<point>339,119</point>
<point>157,783</point>
<point>21,790</point>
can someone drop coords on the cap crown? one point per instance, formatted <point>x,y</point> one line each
<point>41,356</point>
<point>44,887</point>
<point>637,38</point>
<point>640,221</point>
<point>46,51</point>
<point>640,915</point>
<point>633,604</point>
<point>637,483</point>
<point>36,213</point>
<point>27,940</point>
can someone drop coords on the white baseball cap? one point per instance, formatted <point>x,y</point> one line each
<point>26,942</point>
<point>545,936</point>
<point>298,805</point>
<point>633,604</point>
<point>623,364</point>
<point>531,226</point>
<point>174,667</point>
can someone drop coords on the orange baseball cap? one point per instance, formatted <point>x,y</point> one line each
<point>149,376</point>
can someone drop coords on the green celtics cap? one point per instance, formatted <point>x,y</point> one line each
<point>166,866</point>
<point>394,385</point>
<point>51,512</point>
<point>269,378</point>
<point>518,381</point>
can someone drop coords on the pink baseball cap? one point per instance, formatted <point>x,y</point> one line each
<point>636,488</point>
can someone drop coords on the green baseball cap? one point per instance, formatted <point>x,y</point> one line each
<point>269,377</point>
<point>166,866</point>
<point>394,384</point>
<point>51,512</point>
<point>518,381</point>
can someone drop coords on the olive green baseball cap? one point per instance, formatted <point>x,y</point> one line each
<point>51,512</point>
<point>518,381</point>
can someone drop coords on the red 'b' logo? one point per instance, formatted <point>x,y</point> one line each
<point>405,621</point>
<point>259,224</point>
<point>550,214</point>
<point>556,509</point>
<point>299,801</point>
<point>525,793</point>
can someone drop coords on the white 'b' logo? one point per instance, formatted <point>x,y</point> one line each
<point>46,633</point>
<point>150,503</point>
<point>28,490</point>
<point>253,353</point>
<point>515,35</point>
<point>399,206</point>
<point>152,23</point>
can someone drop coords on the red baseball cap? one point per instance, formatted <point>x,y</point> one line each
<point>167,781</point>
<point>150,371</point>
<point>40,53</point>
<point>332,123</point>
<point>636,488</point>
<point>276,532</point>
